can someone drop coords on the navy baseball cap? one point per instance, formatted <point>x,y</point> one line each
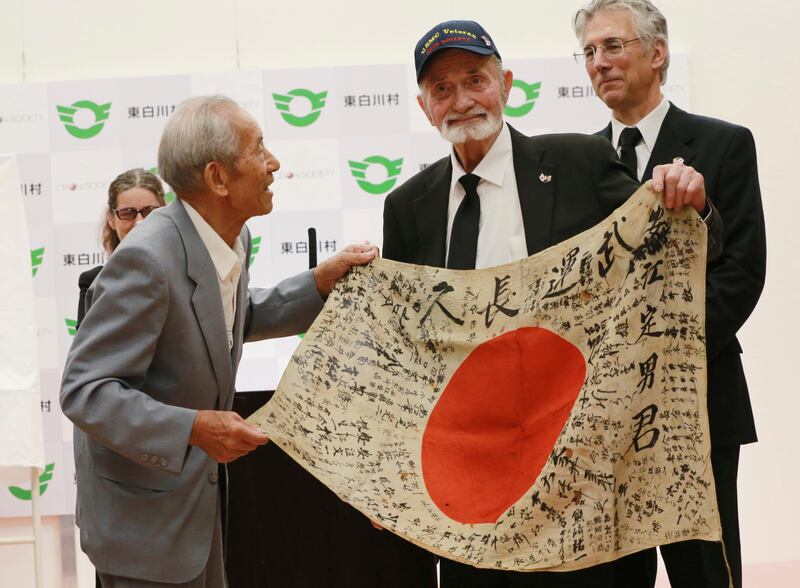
<point>453,34</point>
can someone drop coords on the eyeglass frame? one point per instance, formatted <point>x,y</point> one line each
<point>145,212</point>
<point>583,58</point>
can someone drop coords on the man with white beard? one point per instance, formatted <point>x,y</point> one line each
<point>500,196</point>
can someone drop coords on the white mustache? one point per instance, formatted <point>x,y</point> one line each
<point>474,112</point>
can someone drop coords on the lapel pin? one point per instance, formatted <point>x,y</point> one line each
<point>545,179</point>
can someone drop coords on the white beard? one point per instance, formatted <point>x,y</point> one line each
<point>476,130</point>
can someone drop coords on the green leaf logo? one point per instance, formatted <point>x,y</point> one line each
<point>24,494</point>
<point>37,257</point>
<point>531,94</point>
<point>255,248</point>
<point>392,167</point>
<point>72,326</point>
<point>99,111</point>
<point>168,196</point>
<point>317,101</point>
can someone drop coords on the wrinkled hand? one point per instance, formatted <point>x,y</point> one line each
<point>681,184</point>
<point>327,273</point>
<point>225,436</point>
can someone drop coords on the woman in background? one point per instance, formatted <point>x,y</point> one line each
<point>131,197</point>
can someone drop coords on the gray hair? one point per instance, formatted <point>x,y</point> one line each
<point>648,22</point>
<point>498,64</point>
<point>197,133</point>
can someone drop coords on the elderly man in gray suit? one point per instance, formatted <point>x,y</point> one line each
<point>149,380</point>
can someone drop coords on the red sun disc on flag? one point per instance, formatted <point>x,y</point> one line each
<point>495,424</point>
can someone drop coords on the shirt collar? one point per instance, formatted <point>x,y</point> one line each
<point>649,126</point>
<point>492,167</point>
<point>225,259</point>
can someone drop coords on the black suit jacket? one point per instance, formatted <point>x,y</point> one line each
<point>726,156</point>
<point>586,183</point>
<point>85,280</point>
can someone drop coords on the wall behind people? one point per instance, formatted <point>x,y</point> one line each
<point>742,66</point>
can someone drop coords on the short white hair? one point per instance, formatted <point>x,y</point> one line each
<point>198,132</point>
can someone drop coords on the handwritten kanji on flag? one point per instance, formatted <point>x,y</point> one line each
<point>547,414</point>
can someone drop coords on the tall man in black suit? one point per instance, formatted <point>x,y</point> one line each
<point>625,47</point>
<point>500,196</point>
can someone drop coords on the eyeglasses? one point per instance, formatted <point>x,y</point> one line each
<point>129,214</point>
<point>611,47</point>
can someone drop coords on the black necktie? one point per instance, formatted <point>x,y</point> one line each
<point>464,234</point>
<point>628,140</point>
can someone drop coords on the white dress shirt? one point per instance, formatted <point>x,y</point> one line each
<point>228,263</point>
<point>649,127</point>
<point>501,233</point>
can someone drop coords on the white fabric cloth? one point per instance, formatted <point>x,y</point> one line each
<point>21,436</point>
<point>649,127</point>
<point>228,263</point>
<point>501,234</point>
<point>479,371</point>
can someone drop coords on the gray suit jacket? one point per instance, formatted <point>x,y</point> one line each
<point>153,350</point>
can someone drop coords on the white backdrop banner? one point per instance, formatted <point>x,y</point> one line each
<point>344,136</point>
<point>21,441</point>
